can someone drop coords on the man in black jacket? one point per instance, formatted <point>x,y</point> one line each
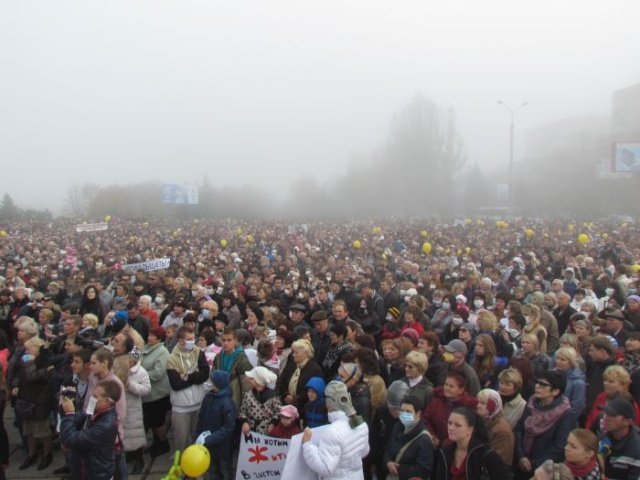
<point>92,438</point>
<point>622,443</point>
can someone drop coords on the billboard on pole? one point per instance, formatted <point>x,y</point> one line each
<point>179,194</point>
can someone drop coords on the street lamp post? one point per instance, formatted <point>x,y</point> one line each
<point>512,111</point>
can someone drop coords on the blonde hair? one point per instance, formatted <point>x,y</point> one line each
<point>617,373</point>
<point>511,375</point>
<point>304,345</point>
<point>419,359</point>
<point>531,309</point>
<point>34,342</point>
<point>533,339</point>
<point>487,321</point>
<point>91,319</point>
<point>28,326</point>
<point>570,354</point>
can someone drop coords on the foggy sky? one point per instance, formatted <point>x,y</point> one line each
<point>264,92</point>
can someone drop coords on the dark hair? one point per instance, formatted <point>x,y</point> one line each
<point>76,319</point>
<point>180,333</point>
<point>522,365</point>
<point>72,308</point>
<point>414,401</point>
<point>230,331</point>
<point>4,341</point>
<point>190,317</point>
<point>339,330</point>
<point>286,335</point>
<point>111,389</point>
<point>555,378</point>
<point>104,355</point>
<point>265,349</point>
<point>368,361</point>
<point>208,335</point>
<point>300,331</point>
<point>474,421</point>
<point>365,341</point>
<point>432,339</point>
<point>84,354</point>
<point>459,377</point>
<point>243,337</point>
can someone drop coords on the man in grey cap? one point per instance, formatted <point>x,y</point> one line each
<point>456,360</point>
<point>338,456</point>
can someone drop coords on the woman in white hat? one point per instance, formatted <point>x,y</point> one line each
<point>261,404</point>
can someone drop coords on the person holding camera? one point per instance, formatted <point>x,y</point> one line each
<point>91,438</point>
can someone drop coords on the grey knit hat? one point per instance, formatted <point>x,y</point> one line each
<point>396,393</point>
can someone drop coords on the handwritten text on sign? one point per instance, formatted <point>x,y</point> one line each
<point>261,457</point>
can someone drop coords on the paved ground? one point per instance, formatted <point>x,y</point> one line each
<point>154,468</point>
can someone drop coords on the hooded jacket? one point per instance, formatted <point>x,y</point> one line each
<point>218,415</point>
<point>315,413</point>
<point>187,394</point>
<point>576,391</point>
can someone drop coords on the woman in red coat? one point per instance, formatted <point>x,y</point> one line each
<point>451,395</point>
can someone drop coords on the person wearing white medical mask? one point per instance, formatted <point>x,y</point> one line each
<point>188,370</point>
<point>409,452</point>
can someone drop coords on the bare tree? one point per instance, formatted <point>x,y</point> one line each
<point>79,198</point>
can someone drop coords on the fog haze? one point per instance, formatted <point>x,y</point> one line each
<point>262,93</point>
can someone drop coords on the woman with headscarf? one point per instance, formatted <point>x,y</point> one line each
<point>260,405</point>
<point>338,456</point>
<point>501,437</point>
<point>300,368</point>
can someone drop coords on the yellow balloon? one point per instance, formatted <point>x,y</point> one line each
<point>459,252</point>
<point>426,248</point>
<point>636,268</point>
<point>529,232</point>
<point>195,460</point>
<point>423,233</point>
<point>376,230</point>
<point>467,221</point>
<point>571,227</point>
<point>605,235</point>
<point>583,239</point>
<point>3,234</point>
<point>625,225</point>
<point>238,231</point>
<point>107,218</point>
<point>223,243</point>
<point>250,238</point>
<point>480,222</point>
<point>357,244</point>
<point>467,250</point>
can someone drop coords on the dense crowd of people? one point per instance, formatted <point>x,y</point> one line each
<point>450,349</point>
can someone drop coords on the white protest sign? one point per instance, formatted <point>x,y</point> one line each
<point>151,265</point>
<point>92,227</point>
<point>261,456</point>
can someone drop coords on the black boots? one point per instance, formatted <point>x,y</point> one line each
<point>28,462</point>
<point>138,461</point>
<point>159,448</point>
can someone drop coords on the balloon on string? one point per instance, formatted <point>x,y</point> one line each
<point>529,232</point>
<point>223,243</point>
<point>376,230</point>
<point>357,244</point>
<point>107,218</point>
<point>3,234</point>
<point>426,248</point>
<point>424,234</point>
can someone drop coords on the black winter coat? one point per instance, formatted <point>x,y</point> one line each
<point>417,459</point>
<point>477,457</point>
<point>92,444</point>
<point>311,369</point>
<point>35,386</point>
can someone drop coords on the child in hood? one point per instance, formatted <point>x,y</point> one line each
<point>288,424</point>
<point>315,411</point>
<point>216,424</point>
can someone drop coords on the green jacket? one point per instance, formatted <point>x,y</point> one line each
<point>154,360</point>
